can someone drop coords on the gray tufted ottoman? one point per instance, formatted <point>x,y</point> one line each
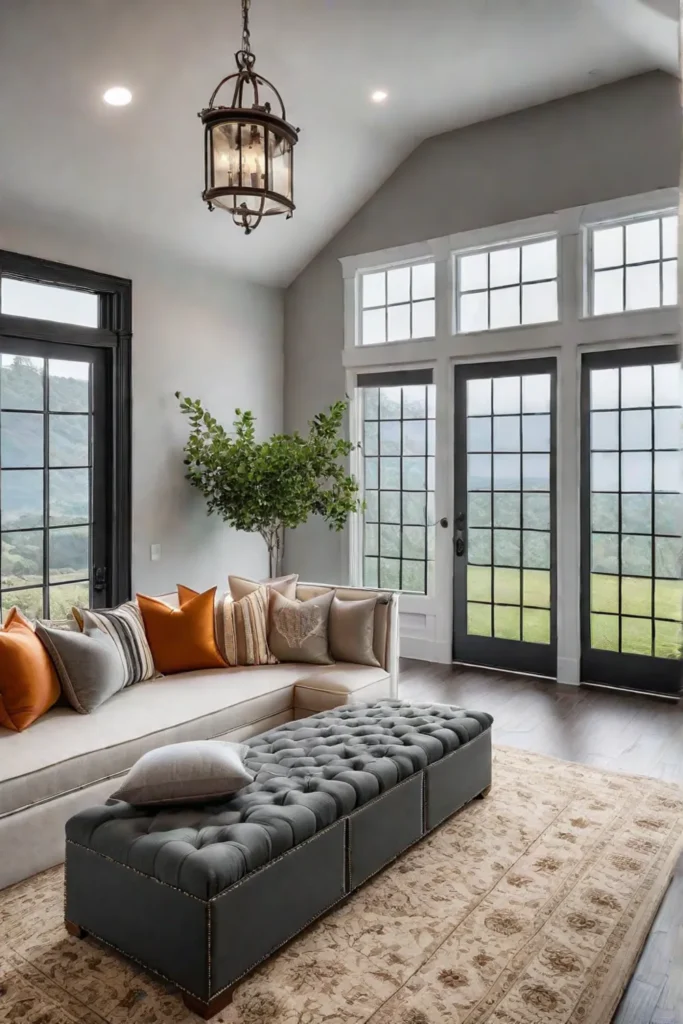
<point>202,895</point>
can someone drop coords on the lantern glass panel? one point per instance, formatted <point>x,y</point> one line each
<point>226,156</point>
<point>253,156</point>
<point>280,152</point>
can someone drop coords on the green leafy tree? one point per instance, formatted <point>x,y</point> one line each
<point>269,486</point>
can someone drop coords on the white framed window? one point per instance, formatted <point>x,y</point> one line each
<point>398,444</point>
<point>398,304</point>
<point>631,264</point>
<point>511,285</point>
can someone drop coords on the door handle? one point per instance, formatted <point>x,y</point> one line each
<point>99,579</point>
<point>459,538</point>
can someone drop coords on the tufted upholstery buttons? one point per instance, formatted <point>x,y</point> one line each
<point>307,774</point>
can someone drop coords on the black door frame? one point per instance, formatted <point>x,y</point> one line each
<point>113,337</point>
<point>513,655</point>
<point>611,668</point>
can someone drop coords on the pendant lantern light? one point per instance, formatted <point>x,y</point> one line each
<point>248,149</point>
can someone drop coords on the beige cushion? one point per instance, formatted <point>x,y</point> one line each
<point>333,685</point>
<point>352,631</point>
<point>298,630</point>
<point>193,772</point>
<point>286,585</point>
<point>63,751</point>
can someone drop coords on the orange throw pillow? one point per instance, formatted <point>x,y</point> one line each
<point>28,681</point>
<point>182,639</point>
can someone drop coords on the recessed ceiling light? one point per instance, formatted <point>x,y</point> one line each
<point>379,96</point>
<point>118,96</point>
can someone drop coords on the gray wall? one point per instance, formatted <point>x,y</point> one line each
<point>618,140</point>
<point>209,337</point>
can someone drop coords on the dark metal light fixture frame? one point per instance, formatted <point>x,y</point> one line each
<point>239,127</point>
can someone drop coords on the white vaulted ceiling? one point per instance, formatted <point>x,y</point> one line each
<point>136,172</point>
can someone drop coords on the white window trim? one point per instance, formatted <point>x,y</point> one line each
<point>426,621</point>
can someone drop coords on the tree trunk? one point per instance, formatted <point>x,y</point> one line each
<point>275,540</point>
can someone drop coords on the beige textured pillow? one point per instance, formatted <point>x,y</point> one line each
<point>243,636</point>
<point>352,631</point>
<point>286,585</point>
<point>298,629</point>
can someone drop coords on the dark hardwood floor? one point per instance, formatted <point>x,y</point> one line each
<point>620,732</point>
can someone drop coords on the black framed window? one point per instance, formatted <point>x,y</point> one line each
<point>65,337</point>
<point>632,592</point>
<point>398,414</point>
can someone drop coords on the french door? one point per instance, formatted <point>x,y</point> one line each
<point>65,441</point>
<point>504,539</point>
<point>54,483</point>
<point>632,594</point>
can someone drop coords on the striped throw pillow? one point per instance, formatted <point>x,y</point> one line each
<point>245,630</point>
<point>124,625</point>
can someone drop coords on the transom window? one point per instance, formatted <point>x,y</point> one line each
<point>398,304</point>
<point>398,470</point>
<point>508,286</point>
<point>49,302</point>
<point>633,265</point>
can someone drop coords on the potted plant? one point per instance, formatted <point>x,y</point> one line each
<point>269,486</point>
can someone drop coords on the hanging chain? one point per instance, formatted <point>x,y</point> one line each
<point>246,34</point>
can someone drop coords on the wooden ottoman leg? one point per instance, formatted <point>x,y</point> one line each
<point>208,1010</point>
<point>484,793</point>
<point>75,930</point>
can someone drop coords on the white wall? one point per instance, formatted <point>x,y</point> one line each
<point>212,338</point>
<point>618,140</point>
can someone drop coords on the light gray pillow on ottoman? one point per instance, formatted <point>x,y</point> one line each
<point>193,772</point>
<point>88,664</point>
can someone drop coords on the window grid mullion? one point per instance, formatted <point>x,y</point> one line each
<point>46,488</point>
<point>400,499</point>
<point>620,510</point>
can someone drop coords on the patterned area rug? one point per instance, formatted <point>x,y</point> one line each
<point>529,906</point>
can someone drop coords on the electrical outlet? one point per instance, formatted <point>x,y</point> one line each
<point>155,552</point>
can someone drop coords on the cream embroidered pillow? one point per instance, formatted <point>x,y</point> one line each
<point>297,630</point>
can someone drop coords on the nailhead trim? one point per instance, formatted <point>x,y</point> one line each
<point>146,967</point>
<point>150,878</point>
<point>311,920</point>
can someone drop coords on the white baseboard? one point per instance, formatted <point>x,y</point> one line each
<point>423,649</point>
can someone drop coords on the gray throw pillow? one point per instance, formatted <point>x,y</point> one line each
<point>88,664</point>
<point>352,631</point>
<point>197,771</point>
<point>297,630</point>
